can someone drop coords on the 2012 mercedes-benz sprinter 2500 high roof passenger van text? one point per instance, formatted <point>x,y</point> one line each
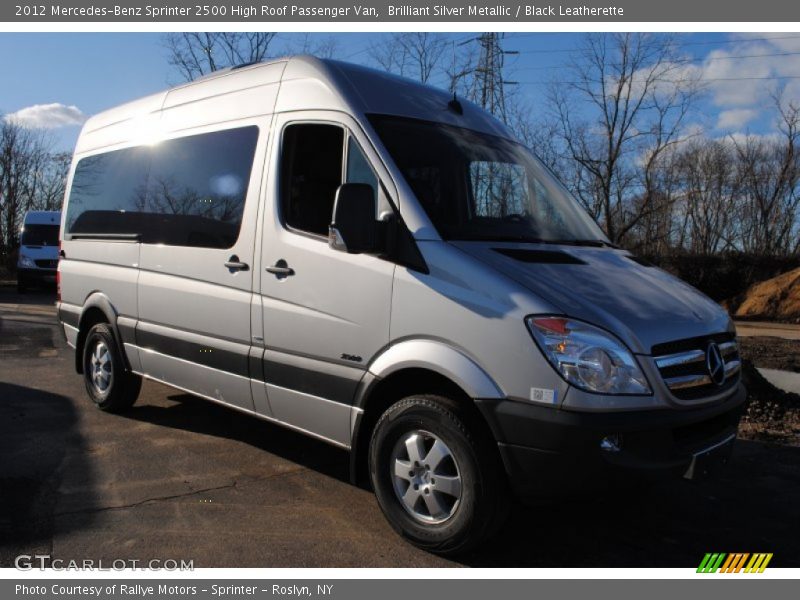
<point>374,263</point>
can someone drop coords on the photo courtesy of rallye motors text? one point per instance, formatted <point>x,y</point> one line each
<point>399,277</point>
<point>99,591</point>
<point>143,591</point>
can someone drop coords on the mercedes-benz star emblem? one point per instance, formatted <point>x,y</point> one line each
<point>715,364</point>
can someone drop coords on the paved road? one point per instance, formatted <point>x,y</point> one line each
<point>178,477</point>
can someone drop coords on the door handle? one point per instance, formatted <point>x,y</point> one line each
<point>234,264</point>
<point>281,269</point>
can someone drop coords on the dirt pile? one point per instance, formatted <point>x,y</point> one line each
<point>776,299</point>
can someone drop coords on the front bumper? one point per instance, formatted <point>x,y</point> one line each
<point>37,275</point>
<point>546,449</point>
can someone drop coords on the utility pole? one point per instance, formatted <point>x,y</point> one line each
<point>488,84</point>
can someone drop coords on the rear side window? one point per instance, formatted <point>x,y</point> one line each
<point>107,191</point>
<point>187,191</point>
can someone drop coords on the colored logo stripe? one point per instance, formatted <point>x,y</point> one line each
<point>758,563</point>
<point>734,563</point>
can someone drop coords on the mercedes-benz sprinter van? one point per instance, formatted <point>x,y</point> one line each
<point>374,263</point>
<point>38,249</point>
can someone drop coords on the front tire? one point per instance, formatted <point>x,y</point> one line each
<point>436,475</point>
<point>109,385</point>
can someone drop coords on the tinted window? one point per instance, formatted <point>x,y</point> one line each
<point>183,192</point>
<point>107,191</point>
<point>311,173</point>
<point>40,235</point>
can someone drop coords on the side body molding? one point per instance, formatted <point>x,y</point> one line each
<point>441,358</point>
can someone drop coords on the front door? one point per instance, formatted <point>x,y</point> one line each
<point>325,313</point>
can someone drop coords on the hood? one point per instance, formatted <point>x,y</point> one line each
<point>39,252</point>
<point>641,304</point>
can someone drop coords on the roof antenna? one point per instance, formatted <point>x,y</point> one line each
<point>455,105</point>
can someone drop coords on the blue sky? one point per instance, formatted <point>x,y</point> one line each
<point>57,79</point>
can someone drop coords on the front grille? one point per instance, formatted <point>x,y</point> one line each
<point>46,264</point>
<point>683,365</point>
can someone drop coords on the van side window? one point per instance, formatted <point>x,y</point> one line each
<point>106,191</point>
<point>186,191</point>
<point>198,185</point>
<point>311,171</point>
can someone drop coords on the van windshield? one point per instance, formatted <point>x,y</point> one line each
<point>475,186</point>
<point>40,235</point>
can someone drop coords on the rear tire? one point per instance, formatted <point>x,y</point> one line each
<point>461,495</point>
<point>109,385</point>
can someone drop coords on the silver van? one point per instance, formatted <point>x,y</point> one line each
<point>380,265</point>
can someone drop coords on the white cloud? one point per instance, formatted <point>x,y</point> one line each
<point>739,138</point>
<point>47,116</point>
<point>736,118</point>
<point>739,75</point>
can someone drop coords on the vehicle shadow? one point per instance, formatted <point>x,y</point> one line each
<point>39,441</point>
<point>751,508</point>
<point>673,524</point>
<point>190,413</point>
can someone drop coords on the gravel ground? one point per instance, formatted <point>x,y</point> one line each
<point>773,415</point>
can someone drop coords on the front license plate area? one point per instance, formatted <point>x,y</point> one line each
<point>707,462</point>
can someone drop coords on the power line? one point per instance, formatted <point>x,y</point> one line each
<point>543,82</point>
<point>468,38</point>
<point>680,61</point>
<point>356,53</point>
<point>698,43</point>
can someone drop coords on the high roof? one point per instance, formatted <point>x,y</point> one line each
<point>291,83</point>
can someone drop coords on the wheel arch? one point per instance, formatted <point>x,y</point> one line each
<point>96,309</point>
<point>416,367</point>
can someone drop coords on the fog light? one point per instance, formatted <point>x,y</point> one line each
<point>611,443</point>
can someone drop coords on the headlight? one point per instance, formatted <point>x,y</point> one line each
<point>26,262</point>
<point>588,357</point>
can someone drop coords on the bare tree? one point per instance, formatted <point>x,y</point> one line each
<point>709,188</point>
<point>24,155</point>
<point>50,182</point>
<point>769,169</point>
<point>418,55</point>
<point>308,43</point>
<point>194,54</point>
<point>459,62</point>
<point>637,92</point>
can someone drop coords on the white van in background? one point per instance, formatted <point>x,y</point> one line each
<point>38,249</point>
<point>374,263</point>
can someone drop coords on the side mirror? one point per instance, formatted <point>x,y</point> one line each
<point>354,228</point>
